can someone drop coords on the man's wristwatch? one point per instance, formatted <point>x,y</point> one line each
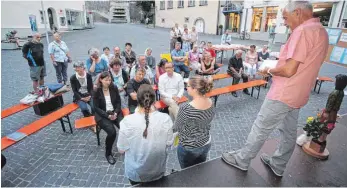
<point>268,71</point>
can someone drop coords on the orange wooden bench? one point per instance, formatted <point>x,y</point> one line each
<point>18,108</point>
<point>43,122</point>
<point>220,76</point>
<point>161,105</point>
<point>320,80</point>
<point>90,122</point>
<point>232,88</point>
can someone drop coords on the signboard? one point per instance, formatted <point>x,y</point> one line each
<point>33,25</point>
<point>337,52</point>
<point>334,35</point>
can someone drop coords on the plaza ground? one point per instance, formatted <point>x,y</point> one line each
<point>53,158</point>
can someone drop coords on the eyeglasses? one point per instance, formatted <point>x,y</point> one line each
<point>168,67</point>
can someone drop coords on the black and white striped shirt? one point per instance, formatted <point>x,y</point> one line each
<point>194,125</point>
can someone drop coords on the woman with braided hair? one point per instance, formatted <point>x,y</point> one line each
<point>194,122</point>
<point>144,137</point>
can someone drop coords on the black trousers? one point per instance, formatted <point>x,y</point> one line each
<point>108,126</point>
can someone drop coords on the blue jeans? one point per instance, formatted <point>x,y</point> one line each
<point>84,106</point>
<point>178,67</point>
<point>190,157</point>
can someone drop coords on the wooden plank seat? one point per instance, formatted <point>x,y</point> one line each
<point>161,105</point>
<point>19,107</point>
<point>220,76</point>
<point>320,80</point>
<point>232,88</point>
<point>35,126</point>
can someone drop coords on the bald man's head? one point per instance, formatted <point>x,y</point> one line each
<point>296,13</point>
<point>116,51</point>
<point>37,37</point>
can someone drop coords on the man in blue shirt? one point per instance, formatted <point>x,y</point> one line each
<point>178,57</point>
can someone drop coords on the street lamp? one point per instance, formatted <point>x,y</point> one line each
<point>44,19</point>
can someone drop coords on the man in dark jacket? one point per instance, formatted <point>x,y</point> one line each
<point>33,52</point>
<point>235,69</point>
<point>82,86</point>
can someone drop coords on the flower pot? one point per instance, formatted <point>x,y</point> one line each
<point>323,137</point>
<point>318,146</point>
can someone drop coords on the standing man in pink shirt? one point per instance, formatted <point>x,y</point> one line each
<point>297,69</point>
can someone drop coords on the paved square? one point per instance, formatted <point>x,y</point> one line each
<point>53,158</point>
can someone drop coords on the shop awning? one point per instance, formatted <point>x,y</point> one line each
<point>232,8</point>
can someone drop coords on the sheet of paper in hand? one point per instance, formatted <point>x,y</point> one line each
<point>16,136</point>
<point>268,64</point>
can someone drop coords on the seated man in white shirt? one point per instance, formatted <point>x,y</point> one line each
<point>171,88</point>
<point>142,63</point>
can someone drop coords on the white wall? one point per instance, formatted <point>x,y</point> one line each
<point>15,14</point>
<point>176,15</point>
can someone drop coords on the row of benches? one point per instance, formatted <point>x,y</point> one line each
<point>62,114</point>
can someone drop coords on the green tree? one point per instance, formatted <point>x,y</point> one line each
<point>146,6</point>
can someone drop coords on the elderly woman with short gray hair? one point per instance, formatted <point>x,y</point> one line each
<point>95,64</point>
<point>82,86</point>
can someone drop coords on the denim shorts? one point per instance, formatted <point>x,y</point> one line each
<point>189,157</point>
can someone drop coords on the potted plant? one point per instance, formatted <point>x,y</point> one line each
<point>316,127</point>
<point>220,29</point>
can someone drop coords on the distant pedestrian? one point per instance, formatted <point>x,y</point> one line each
<point>194,37</point>
<point>272,35</point>
<point>60,56</point>
<point>33,52</point>
<point>186,40</point>
<point>173,38</point>
<point>296,72</point>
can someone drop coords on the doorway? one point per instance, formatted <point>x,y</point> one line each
<point>52,19</point>
<point>200,25</point>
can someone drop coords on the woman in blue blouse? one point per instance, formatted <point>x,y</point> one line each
<point>95,64</point>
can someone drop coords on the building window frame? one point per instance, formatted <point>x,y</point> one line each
<point>163,20</point>
<point>191,3</point>
<point>203,3</point>
<point>180,4</point>
<point>170,4</point>
<point>162,5</point>
<point>42,16</point>
<point>186,19</point>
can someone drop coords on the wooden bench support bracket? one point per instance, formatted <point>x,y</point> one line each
<point>215,100</point>
<point>318,82</point>
<point>66,120</point>
<point>257,88</point>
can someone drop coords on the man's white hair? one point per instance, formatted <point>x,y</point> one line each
<point>304,5</point>
<point>238,52</point>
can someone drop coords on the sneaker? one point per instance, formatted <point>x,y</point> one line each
<point>266,160</point>
<point>229,158</point>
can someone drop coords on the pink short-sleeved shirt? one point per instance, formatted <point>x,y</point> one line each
<point>308,44</point>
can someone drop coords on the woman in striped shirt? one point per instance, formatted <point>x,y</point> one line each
<point>194,123</point>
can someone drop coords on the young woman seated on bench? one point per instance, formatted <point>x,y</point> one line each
<point>208,65</point>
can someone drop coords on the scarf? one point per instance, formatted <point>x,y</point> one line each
<point>119,77</point>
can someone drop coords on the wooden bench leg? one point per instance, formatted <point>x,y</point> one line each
<point>258,91</point>
<point>315,86</point>
<point>320,85</point>
<point>63,121</point>
<point>252,92</point>
<point>215,100</point>
<point>97,134</point>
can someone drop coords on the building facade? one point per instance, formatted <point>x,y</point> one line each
<point>258,16</point>
<point>27,17</point>
<point>201,13</point>
<point>119,11</point>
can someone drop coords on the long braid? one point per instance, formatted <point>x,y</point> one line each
<point>147,107</point>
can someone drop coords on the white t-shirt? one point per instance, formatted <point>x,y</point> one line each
<point>145,158</point>
<point>109,106</point>
<point>107,58</point>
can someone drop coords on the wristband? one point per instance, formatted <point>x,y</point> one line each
<point>268,71</point>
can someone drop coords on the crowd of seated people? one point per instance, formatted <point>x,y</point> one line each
<point>114,81</point>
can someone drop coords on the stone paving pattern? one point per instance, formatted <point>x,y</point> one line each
<point>53,158</point>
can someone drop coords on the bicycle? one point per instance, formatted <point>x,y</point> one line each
<point>244,35</point>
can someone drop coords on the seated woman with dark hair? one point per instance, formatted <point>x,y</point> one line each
<point>208,65</point>
<point>160,69</point>
<point>144,137</point>
<point>107,106</point>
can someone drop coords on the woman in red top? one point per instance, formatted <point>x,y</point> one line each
<point>209,49</point>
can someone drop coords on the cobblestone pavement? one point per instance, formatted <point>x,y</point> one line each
<point>53,158</point>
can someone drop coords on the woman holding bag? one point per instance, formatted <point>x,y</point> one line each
<point>60,56</point>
